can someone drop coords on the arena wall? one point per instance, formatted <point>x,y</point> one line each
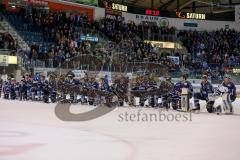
<point>183,24</point>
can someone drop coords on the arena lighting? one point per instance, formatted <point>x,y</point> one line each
<point>12,59</point>
<point>236,70</point>
<point>160,44</point>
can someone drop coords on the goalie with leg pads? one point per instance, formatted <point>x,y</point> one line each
<point>229,94</point>
<point>227,90</point>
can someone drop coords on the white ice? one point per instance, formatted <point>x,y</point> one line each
<point>31,131</point>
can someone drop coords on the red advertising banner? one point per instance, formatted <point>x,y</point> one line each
<point>54,5</point>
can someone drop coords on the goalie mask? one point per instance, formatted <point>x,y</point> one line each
<point>227,79</point>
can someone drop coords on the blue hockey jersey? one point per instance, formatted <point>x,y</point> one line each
<point>206,89</point>
<point>6,88</point>
<point>94,85</point>
<point>231,88</point>
<point>179,85</point>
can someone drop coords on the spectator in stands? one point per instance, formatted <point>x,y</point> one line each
<point>63,32</point>
<point>7,42</point>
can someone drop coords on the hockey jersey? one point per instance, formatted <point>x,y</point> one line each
<point>179,85</point>
<point>94,85</point>
<point>206,89</point>
<point>231,89</point>
<point>12,91</point>
<point>6,89</point>
<point>28,84</point>
<point>40,85</point>
<point>105,87</point>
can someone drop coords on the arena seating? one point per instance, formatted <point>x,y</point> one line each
<point>55,36</point>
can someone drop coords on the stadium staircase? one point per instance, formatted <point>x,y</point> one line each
<point>22,44</point>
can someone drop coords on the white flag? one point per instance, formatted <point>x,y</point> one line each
<point>237,14</point>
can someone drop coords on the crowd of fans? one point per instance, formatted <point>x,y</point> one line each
<point>211,51</point>
<point>218,47</point>
<point>120,30</point>
<point>63,32</point>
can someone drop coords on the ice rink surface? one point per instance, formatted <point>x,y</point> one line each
<point>31,131</point>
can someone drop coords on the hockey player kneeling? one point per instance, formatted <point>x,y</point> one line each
<point>205,90</point>
<point>227,90</point>
<point>105,91</point>
<point>182,92</point>
<point>120,89</point>
<point>46,92</point>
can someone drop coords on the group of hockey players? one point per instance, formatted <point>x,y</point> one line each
<point>65,89</point>
<point>89,90</point>
<point>226,90</point>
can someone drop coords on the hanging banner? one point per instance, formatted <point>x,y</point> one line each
<point>237,14</point>
<point>88,38</point>
<point>51,5</point>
